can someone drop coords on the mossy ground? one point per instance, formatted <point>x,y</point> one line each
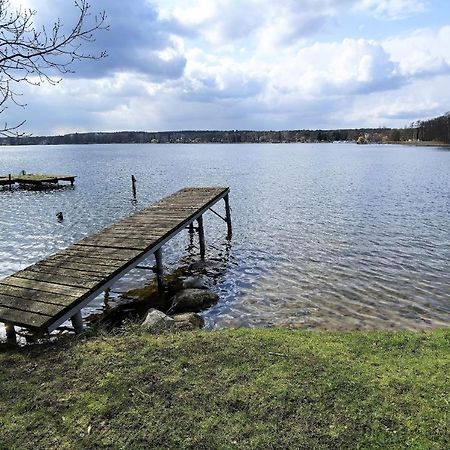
<point>246,388</point>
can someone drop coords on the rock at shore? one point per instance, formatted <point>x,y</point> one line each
<point>158,322</point>
<point>193,300</point>
<point>198,282</point>
<point>188,321</point>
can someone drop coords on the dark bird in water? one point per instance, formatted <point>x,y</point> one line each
<point>60,216</point>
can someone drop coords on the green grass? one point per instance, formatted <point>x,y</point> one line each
<point>247,388</point>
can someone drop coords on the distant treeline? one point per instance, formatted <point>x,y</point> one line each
<point>196,137</point>
<point>437,129</point>
<point>432,130</point>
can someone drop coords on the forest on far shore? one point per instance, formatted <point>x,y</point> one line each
<point>434,130</point>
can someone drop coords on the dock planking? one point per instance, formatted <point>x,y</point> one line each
<point>46,294</point>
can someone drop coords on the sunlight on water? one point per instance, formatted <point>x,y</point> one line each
<point>325,236</point>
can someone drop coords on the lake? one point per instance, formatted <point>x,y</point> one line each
<point>326,236</point>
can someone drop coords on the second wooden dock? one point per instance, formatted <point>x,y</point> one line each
<point>36,179</point>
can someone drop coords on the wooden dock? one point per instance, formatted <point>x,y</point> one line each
<point>46,294</point>
<point>35,179</point>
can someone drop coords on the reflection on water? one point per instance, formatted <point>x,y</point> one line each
<point>325,236</point>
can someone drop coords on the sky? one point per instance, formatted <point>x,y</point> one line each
<point>247,64</point>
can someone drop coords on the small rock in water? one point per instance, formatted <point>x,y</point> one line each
<point>188,321</point>
<point>193,300</point>
<point>198,265</point>
<point>196,283</point>
<point>157,322</point>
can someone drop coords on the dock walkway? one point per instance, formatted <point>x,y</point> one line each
<point>46,294</point>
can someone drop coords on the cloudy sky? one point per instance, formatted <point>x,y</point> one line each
<point>249,64</point>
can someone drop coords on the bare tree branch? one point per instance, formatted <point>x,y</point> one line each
<point>34,55</point>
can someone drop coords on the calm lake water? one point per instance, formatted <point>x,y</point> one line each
<point>327,236</point>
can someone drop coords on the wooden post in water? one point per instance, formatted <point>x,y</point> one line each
<point>11,336</point>
<point>228,214</point>
<point>77,322</point>
<point>133,185</point>
<point>201,237</point>
<point>191,235</point>
<point>10,182</point>
<point>159,270</point>
<point>106,298</point>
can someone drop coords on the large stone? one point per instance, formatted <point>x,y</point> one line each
<point>157,322</point>
<point>199,282</point>
<point>192,300</point>
<point>188,321</point>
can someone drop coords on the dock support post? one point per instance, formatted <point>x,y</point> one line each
<point>77,322</point>
<point>159,270</point>
<point>10,182</point>
<point>133,186</point>
<point>191,235</point>
<point>228,214</point>
<point>201,237</point>
<point>11,336</point>
<point>106,297</point>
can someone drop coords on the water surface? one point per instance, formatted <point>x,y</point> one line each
<point>329,236</point>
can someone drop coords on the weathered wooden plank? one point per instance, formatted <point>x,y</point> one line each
<point>32,306</point>
<point>183,212</point>
<point>22,318</point>
<point>150,212</point>
<point>60,280</point>
<point>130,234</point>
<point>189,195</point>
<point>64,272</point>
<point>44,286</point>
<point>143,241</point>
<point>31,294</point>
<point>69,264</point>
<point>85,255</point>
<point>107,253</point>
<point>156,226</point>
<point>169,224</point>
<point>134,232</point>
<point>161,218</point>
<point>174,207</point>
<point>116,243</point>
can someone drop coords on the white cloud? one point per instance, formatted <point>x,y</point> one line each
<point>221,21</point>
<point>392,9</point>
<point>415,101</point>
<point>337,68</point>
<point>424,52</point>
<point>224,21</point>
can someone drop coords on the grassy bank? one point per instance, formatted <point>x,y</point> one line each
<point>230,389</point>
